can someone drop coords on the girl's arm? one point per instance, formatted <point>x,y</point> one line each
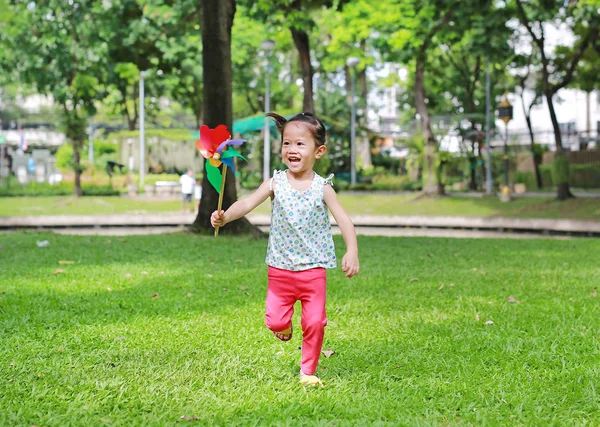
<point>350,259</point>
<point>241,207</point>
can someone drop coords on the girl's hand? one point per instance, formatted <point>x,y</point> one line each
<point>350,264</point>
<point>217,219</point>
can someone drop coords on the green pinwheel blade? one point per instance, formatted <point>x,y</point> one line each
<point>195,135</point>
<point>214,176</point>
<point>230,152</point>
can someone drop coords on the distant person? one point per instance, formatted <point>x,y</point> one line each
<point>197,195</point>
<point>300,242</point>
<point>31,166</point>
<point>187,182</point>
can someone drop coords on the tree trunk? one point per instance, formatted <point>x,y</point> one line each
<point>472,166</point>
<point>429,171</point>
<point>77,190</point>
<point>482,165</point>
<point>536,166</point>
<point>217,20</point>
<point>75,132</point>
<point>534,156</point>
<point>534,159</point>
<point>348,85</point>
<point>302,45</point>
<point>560,170</point>
<point>131,118</point>
<point>197,104</point>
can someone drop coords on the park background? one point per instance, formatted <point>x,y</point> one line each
<point>144,329</point>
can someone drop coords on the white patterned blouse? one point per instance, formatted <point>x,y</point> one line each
<point>300,236</point>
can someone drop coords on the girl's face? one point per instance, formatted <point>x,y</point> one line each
<point>299,149</point>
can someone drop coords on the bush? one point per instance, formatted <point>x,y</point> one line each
<point>250,180</point>
<point>381,182</point>
<point>585,176</point>
<point>34,189</point>
<point>386,162</point>
<point>64,157</point>
<point>581,176</point>
<point>528,178</point>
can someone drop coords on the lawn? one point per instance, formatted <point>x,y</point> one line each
<point>375,204</point>
<point>145,330</point>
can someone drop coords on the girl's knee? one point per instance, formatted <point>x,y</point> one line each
<point>315,323</point>
<point>276,325</point>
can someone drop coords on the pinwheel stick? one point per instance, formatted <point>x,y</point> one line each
<point>220,204</point>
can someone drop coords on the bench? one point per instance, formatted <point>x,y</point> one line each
<point>164,188</point>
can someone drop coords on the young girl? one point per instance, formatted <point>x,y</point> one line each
<point>300,243</point>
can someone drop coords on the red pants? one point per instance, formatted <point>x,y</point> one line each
<point>285,288</point>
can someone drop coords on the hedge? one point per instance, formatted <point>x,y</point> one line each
<point>34,189</point>
<point>581,176</point>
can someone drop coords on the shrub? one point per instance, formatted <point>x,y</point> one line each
<point>35,189</point>
<point>585,176</point>
<point>381,182</point>
<point>528,178</point>
<point>64,157</point>
<point>580,176</point>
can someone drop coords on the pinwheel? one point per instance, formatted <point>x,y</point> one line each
<point>216,147</point>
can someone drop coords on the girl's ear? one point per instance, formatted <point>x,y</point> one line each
<point>321,149</point>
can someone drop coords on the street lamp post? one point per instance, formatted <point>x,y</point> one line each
<point>2,148</point>
<point>267,46</point>
<point>91,143</point>
<point>142,140</point>
<point>352,62</point>
<point>505,113</point>
<point>488,169</point>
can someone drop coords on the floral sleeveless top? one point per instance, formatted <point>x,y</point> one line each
<point>300,236</point>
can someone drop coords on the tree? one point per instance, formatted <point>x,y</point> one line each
<point>522,81</point>
<point>61,52</point>
<point>178,51</point>
<point>457,72</point>
<point>587,79</point>
<point>217,21</point>
<point>344,34</point>
<point>557,71</point>
<point>410,39</point>
<point>297,16</point>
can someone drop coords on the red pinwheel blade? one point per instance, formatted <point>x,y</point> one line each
<point>212,138</point>
<point>206,138</point>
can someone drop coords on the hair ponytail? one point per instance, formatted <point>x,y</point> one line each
<point>280,121</point>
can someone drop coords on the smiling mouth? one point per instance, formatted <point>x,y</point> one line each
<point>293,159</point>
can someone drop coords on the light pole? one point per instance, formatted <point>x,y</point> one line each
<point>488,169</point>
<point>267,46</point>
<point>2,142</point>
<point>352,62</point>
<point>91,144</point>
<point>505,113</point>
<point>142,140</point>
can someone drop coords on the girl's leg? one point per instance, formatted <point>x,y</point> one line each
<point>281,296</point>
<point>312,287</point>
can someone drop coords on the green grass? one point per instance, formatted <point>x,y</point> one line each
<point>377,204</point>
<point>91,346</point>
<point>70,205</point>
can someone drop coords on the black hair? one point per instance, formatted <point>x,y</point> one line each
<point>316,126</point>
